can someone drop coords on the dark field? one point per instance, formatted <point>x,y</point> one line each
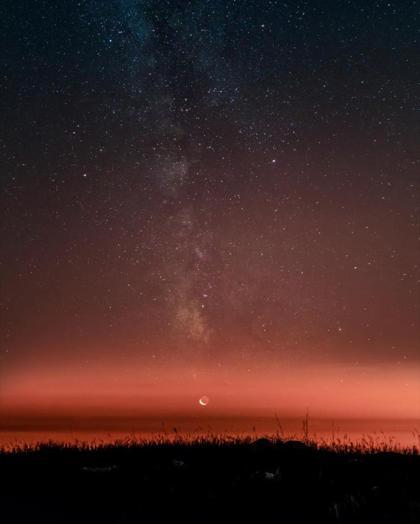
<point>209,481</point>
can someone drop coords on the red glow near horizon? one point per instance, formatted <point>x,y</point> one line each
<point>326,390</point>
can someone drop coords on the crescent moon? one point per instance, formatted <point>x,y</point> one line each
<point>204,400</point>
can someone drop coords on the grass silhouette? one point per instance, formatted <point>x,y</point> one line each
<point>211,478</point>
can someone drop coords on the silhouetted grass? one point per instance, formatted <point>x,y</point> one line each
<point>211,478</point>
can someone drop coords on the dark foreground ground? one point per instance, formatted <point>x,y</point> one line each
<point>205,482</point>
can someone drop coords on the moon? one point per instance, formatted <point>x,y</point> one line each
<point>204,400</point>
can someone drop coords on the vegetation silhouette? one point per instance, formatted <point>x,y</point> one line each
<point>207,479</point>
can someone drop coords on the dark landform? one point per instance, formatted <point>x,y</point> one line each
<point>208,481</point>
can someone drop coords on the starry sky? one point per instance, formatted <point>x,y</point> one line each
<point>201,195</point>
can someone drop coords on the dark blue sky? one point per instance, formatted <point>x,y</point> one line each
<point>199,181</point>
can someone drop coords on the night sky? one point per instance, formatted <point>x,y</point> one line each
<point>209,196</point>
